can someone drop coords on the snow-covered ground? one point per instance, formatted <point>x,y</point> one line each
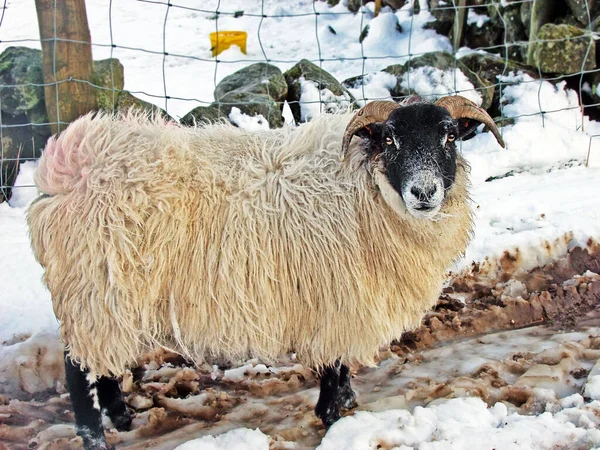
<point>533,193</point>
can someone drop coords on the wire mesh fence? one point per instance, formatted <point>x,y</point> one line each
<point>176,67</point>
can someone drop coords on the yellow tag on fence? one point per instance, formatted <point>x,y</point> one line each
<point>222,40</point>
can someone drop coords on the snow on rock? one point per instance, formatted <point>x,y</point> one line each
<point>315,102</point>
<point>246,122</point>
<point>238,439</point>
<point>240,373</point>
<point>374,86</point>
<point>592,387</point>
<point>34,365</point>
<point>432,83</point>
<point>465,423</point>
<point>478,20</point>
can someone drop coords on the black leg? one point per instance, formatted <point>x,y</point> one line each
<point>111,400</point>
<point>88,418</point>
<point>336,393</point>
<point>347,395</point>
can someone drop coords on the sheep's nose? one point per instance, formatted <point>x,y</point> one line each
<point>424,193</point>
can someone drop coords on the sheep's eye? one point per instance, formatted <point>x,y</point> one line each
<point>389,141</point>
<point>451,138</point>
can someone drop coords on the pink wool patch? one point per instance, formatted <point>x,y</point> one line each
<point>64,166</point>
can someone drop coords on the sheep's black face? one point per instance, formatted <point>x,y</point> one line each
<point>415,153</point>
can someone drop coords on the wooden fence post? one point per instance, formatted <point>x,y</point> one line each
<point>66,57</point>
<point>460,20</point>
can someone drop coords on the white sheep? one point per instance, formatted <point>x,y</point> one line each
<point>217,241</point>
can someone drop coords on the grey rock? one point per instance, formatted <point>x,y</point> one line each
<point>394,4</point>
<point>21,141</point>
<point>127,101</point>
<point>488,67</point>
<point>203,115</point>
<point>354,5</point>
<point>443,11</point>
<point>581,9</point>
<point>323,80</point>
<point>486,36</point>
<point>251,104</point>
<point>259,78</point>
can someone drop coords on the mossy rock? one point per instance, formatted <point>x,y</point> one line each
<point>21,67</point>
<point>109,74</point>
<point>562,49</point>
<point>127,101</point>
<point>251,104</point>
<point>259,78</point>
<point>488,66</point>
<point>442,61</point>
<point>203,115</point>
<point>322,79</point>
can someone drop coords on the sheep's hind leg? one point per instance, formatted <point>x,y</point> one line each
<point>88,418</point>
<point>336,393</point>
<point>111,400</point>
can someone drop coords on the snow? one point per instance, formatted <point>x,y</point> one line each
<point>238,439</point>
<point>477,19</point>
<point>375,86</point>
<point>465,423</point>
<point>314,102</point>
<point>250,123</point>
<point>592,387</point>
<point>432,83</point>
<point>536,191</point>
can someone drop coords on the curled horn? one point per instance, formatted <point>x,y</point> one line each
<point>460,107</point>
<point>373,112</point>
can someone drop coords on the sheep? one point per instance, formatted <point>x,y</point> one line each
<point>214,241</point>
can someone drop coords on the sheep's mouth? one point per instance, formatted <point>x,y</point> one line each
<point>426,211</point>
<point>424,207</point>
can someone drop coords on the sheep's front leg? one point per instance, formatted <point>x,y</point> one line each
<point>336,393</point>
<point>86,406</point>
<point>111,400</point>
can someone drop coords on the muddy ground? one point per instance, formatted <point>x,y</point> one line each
<point>499,332</point>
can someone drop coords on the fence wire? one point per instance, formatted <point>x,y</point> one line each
<point>9,163</point>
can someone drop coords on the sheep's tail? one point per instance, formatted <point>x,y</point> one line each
<point>65,162</point>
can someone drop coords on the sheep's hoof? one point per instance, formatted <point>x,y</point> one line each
<point>330,420</point>
<point>122,421</point>
<point>328,414</point>
<point>348,398</point>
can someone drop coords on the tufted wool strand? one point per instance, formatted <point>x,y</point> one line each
<point>223,242</point>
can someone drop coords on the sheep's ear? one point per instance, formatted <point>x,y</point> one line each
<point>372,135</point>
<point>466,126</point>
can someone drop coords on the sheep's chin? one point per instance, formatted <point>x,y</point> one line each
<point>395,201</point>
